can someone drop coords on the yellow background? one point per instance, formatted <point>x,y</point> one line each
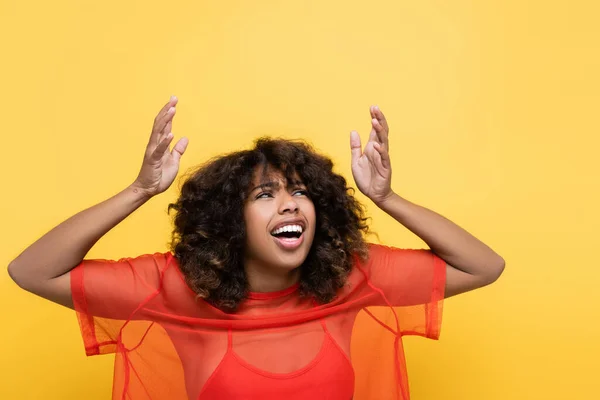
<point>494,114</point>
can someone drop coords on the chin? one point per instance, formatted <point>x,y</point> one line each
<point>290,262</point>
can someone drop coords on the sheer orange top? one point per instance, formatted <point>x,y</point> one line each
<point>170,344</point>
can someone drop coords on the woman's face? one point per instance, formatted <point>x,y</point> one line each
<point>280,222</point>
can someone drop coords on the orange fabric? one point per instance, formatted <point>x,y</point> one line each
<point>171,345</point>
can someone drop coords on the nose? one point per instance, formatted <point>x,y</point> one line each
<point>288,204</point>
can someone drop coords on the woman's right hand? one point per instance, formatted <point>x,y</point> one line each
<point>161,165</point>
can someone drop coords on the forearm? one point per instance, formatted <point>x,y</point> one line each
<point>450,242</point>
<point>65,246</point>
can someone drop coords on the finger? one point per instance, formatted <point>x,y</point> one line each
<point>373,136</point>
<point>355,146</point>
<point>162,127</point>
<point>179,149</point>
<point>168,127</point>
<point>163,111</point>
<point>380,131</point>
<point>383,153</point>
<point>377,163</point>
<point>381,118</point>
<point>162,147</point>
<point>159,120</point>
<point>370,155</point>
<point>158,130</point>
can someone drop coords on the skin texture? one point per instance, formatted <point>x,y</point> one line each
<point>216,224</point>
<point>268,266</point>
<point>470,263</point>
<point>43,268</point>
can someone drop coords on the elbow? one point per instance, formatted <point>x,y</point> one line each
<point>16,276</point>
<point>495,270</point>
<point>13,273</point>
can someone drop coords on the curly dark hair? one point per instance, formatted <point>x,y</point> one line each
<point>209,233</point>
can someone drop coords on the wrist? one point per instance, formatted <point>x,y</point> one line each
<point>386,200</point>
<point>138,192</point>
<point>396,206</point>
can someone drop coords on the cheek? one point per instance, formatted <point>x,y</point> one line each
<point>311,216</point>
<point>309,212</point>
<point>257,221</point>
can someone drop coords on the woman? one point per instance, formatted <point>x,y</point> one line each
<point>268,276</point>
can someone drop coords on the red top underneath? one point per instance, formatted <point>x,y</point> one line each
<point>328,376</point>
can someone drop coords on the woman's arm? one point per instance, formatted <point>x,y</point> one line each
<point>471,264</point>
<point>43,268</point>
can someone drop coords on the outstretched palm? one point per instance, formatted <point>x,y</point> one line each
<point>160,165</point>
<point>371,167</point>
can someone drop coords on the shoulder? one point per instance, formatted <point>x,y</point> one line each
<point>383,259</point>
<point>380,253</point>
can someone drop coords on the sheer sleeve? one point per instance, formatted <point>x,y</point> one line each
<point>107,293</point>
<point>411,281</point>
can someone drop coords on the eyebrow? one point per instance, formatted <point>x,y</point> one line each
<point>275,185</point>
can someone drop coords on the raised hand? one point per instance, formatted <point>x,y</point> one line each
<point>371,167</point>
<point>160,165</point>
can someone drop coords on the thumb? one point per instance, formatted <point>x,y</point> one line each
<point>355,146</point>
<point>179,149</point>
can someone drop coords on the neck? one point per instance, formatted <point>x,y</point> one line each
<point>264,279</point>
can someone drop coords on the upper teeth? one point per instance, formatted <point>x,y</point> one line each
<point>287,228</point>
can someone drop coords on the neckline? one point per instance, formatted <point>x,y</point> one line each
<point>273,295</point>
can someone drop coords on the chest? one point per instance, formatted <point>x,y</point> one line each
<point>280,362</point>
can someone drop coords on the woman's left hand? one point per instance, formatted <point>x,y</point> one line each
<point>371,167</point>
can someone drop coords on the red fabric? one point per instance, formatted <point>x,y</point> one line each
<point>328,376</point>
<point>169,344</point>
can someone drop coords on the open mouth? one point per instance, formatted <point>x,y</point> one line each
<point>288,231</point>
<point>288,236</point>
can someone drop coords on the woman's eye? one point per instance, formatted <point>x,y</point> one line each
<point>300,193</point>
<point>264,195</point>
